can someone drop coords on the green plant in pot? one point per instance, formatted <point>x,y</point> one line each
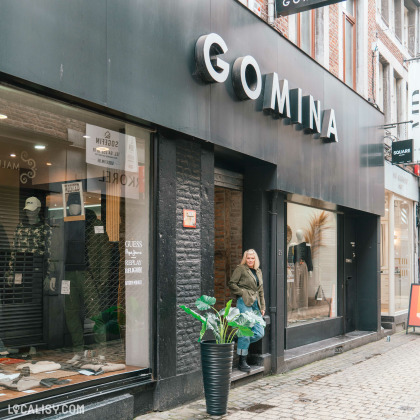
<point>217,354</point>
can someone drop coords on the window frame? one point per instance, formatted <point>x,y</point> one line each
<point>312,32</point>
<point>351,18</point>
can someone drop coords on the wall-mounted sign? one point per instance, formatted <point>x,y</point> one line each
<point>278,99</point>
<point>402,151</point>
<point>289,7</point>
<point>190,219</point>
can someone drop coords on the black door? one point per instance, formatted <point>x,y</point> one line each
<point>350,273</point>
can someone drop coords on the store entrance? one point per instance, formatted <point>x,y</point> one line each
<point>228,198</point>
<point>350,274</point>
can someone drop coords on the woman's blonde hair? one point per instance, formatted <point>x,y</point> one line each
<point>257,260</point>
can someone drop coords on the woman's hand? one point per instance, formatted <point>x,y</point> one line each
<point>262,313</point>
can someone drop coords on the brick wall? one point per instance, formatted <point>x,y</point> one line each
<point>371,40</point>
<point>228,240</point>
<point>188,254</point>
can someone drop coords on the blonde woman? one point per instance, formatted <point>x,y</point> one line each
<point>247,284</point>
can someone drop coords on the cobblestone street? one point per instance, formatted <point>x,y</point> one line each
<point>376,381</point>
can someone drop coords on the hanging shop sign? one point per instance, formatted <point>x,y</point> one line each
<point>414,107</point>
<point>402,151</point>
<point>414,307</point>
<point>289,7</point>
<point>278,99</point>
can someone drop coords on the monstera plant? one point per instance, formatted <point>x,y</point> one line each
<point>217,354</point>
<point>218,322</point>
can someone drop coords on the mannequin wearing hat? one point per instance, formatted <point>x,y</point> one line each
<point>31,236</point>
<point>87,263</point>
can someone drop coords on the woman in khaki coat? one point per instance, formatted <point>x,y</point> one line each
<point>247,284</point>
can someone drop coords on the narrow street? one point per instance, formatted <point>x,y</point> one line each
<point>376,381</point>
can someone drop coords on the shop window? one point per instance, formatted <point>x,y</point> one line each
<point>349,41</point>
<point>311,264</point>
<point>402,252</point>
<point>384,259</point>
<point>74,243</point>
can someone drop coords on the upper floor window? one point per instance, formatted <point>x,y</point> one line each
<point>349,43</point>
<point>306,32</point>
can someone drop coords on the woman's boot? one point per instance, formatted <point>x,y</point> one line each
<point>243,365</point>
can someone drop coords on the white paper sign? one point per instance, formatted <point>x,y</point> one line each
<point>65,287</point>
<point>18,278</point>
<point>110,149</point>
<point>99,229</point>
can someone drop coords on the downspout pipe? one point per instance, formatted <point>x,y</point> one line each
<point>273,280</point>
<point>271,12</point>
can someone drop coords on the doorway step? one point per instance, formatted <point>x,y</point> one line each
<point>319,350</point>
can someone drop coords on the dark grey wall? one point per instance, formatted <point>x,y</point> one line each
<point>137,57</point>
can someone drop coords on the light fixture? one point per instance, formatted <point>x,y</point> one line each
<point>48,163</point>
<point>39,147</point>
<point>12,155</point>
<point>86,137</point>
<point>102,149</point>
<point>3,116</point>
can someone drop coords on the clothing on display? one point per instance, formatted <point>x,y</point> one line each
<point>300,259</point>
<point>87,268</point>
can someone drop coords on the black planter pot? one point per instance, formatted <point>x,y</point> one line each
<point>216,362</point>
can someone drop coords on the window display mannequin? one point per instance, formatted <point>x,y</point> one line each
<point>31,236</point>
<point>87,263</point>
<point>302,261</point>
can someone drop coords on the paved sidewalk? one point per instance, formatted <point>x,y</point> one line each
<point>380,380</point>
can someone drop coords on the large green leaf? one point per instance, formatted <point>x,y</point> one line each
<point>203,330</point>
<point>227,309</point>
<point>205,302</point>
<point>213,324</point>
<point>251,318</point>
<point>233,313</point>
<point>244,331</point>
<point>194,314</point>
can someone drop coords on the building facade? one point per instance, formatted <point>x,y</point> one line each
<point>142,153</point>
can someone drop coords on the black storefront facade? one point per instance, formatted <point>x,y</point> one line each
<point>139,122</point>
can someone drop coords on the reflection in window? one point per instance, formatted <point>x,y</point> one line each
<point>74,240</point>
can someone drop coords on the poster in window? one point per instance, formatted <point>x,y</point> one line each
<point>414,307</point>
<point>73,205</point>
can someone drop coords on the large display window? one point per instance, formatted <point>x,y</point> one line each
<point>397,250</point>
<point>74,245</point>
<point>311,264</point>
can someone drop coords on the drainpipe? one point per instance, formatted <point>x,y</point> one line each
<point>271,12</point>
<point>273,281</point>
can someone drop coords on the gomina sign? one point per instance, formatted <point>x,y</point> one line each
<point>247,84</point>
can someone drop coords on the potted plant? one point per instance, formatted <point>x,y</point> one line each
<point>217,354</point>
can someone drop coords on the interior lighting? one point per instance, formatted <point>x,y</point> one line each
<point>12,155</point>
<point>48,163</point>
<point>102,149</point>
<point>3,116</point>
<point>39,146</point>
<point>86,137</point>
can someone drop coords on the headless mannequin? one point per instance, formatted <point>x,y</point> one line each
<point>303,265</point>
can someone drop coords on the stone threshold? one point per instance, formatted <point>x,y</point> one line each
<point>238,375</point>
<point>309,353</point>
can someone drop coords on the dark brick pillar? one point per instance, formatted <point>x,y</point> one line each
<point>185,264</point>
